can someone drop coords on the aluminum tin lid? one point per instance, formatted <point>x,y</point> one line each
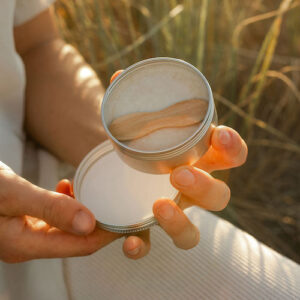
<point>120,197</point>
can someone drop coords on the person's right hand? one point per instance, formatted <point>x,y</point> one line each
<point>36,223</point>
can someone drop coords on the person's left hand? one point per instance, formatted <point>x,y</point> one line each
<point>198,187</point>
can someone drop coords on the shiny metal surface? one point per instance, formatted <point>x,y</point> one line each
<point>187,152</point>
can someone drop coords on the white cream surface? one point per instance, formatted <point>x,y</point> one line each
<point>153,87</point>
<point>120,195</point>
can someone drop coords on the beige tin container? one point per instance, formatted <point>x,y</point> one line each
<point>152,85</point>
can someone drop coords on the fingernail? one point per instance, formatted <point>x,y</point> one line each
<point>134,251</point>
<point>224,137</point>
<point>82,222</point>
<point>166,211</point>
<point>184,177</point>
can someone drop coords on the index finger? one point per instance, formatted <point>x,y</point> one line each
<point>42,241</point>
<point>19,197</point>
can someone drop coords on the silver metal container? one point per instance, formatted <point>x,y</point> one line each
<point>154,84</point>
<point>119,196</point>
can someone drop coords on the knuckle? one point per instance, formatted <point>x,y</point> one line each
<point>51,210</point>
<point>202,185</point>
<point>205,190</point>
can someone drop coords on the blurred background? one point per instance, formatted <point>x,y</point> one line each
<point>250,53</point>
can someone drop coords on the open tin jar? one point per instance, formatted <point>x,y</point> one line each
<point>152,85</point>
<point>155,104</point>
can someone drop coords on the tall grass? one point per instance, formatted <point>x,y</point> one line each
<point>249,52</point>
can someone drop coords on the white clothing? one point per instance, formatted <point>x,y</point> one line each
<point>40,276</point>
<point>12,83</point>
<point>227,264</point>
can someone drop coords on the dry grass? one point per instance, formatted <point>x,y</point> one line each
<point>249,51</point>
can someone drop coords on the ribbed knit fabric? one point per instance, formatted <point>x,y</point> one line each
<point>227,264</point>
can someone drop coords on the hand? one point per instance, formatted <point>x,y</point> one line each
<point>58,226</point>
<point>198,187</point>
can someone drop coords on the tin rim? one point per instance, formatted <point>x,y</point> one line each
<point>172,151</point>
<point>82,170</point>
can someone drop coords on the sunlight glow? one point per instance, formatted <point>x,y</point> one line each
<point>84,73</point>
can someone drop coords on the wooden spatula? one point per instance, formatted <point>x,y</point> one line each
<point>136,125</point>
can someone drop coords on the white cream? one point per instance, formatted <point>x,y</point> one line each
<point>120,195</point>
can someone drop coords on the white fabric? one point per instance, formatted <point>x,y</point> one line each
<point>38,279</point>
<point>27,9</point>
<point>12,78</point>
<point>41,279</point>
<point>12,83</point>
<point>227,264</point>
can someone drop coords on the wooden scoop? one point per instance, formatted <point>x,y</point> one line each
<point>136,125</point>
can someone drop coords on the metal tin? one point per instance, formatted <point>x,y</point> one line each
<point>102,196</point>
<point>144,80</point>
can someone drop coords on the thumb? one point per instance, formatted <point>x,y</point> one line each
<point>18,197</point>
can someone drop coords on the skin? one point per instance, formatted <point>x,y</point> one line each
<point>63,99</point>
